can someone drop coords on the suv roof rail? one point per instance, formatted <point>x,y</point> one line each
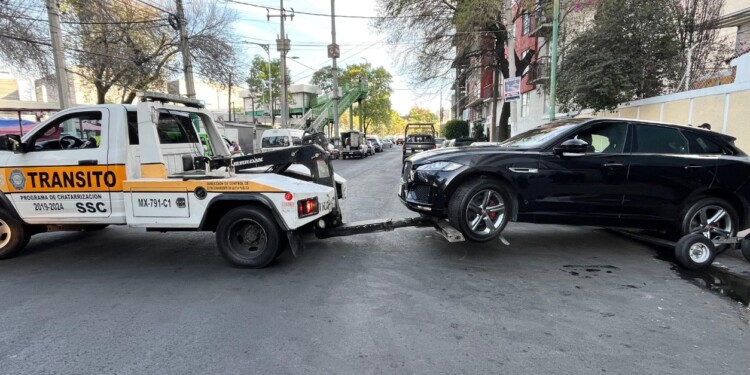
<point>151,96</point>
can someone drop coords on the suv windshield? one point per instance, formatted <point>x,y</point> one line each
<point>540,135</point>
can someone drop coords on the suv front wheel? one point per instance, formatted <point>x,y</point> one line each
<point>480,209</point>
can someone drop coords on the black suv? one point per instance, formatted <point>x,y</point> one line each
<point>600,172</point>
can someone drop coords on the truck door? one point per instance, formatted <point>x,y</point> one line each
<point>63,176</point>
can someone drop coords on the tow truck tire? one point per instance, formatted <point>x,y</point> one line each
<point>695,251</point>
<point>248,237</point>
<point>13,236</point>
<point>489,199</point>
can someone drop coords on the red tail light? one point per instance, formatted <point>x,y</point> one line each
<point>307,207</point>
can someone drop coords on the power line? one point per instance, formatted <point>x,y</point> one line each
<point>148,4</point>
<point>88,22</point>
<point>319,14</point>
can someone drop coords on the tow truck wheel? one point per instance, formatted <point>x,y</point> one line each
<point>480,209</point>
<point>248,237</point>
<point>12,236</point>
<point>695,251</point>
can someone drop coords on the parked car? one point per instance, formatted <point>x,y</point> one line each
<point>376,144</point>
<point>400,140</point>
<point>387,143</point>
<point>439,142</point>
<point>333,151</point>
<point>370,148</point>
<point>599,172</point>
<point>464,142</point>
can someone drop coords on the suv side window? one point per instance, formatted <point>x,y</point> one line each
<point>605,138</point>
<point>700,144</point>
<point>654,139</point>
<point>74,131</point>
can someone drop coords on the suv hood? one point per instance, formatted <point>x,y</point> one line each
<point>458,154</point>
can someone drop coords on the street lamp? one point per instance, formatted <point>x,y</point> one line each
<point>366,62</point>
<point>266,47</point>
<point>295,58</point>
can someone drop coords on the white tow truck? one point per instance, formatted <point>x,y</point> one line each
<point>143,165</point>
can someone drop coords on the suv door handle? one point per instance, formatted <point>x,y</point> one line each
<point>88,162</point>
<point>614,165</point>
<point>688,167</point>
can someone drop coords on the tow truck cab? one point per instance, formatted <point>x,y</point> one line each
<point>144,165</point>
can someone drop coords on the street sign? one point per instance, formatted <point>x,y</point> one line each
<point>333,51</point>
<point>512,89</point>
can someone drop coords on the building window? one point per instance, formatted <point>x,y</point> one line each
<point>524,104</point>
<point>526,25</point>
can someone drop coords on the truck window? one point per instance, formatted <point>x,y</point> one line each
<point>175,128</point>
<point>172,128</point>
<point>74,131</point>
<point>133,127</point>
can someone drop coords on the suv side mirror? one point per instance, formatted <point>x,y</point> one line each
<point>11,142</point>
<point>571,147</point>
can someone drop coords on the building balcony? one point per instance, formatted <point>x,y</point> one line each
<point>541,19</point>
<point>539,71</point>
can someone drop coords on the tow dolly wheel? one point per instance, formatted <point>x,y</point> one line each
<point>13,236</point>
<point>248,237</point>
<point>745,247</point>
<point>695,251</point>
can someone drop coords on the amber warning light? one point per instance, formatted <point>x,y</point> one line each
<point>307,207</point>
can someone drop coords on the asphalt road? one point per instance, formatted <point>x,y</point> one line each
<point>559,300</point>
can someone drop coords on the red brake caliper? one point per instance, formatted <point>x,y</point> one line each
<point>492,214</point>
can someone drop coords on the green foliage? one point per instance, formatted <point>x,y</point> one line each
<point>396,124</point>
<point>377,106</point>
<point>455,129</point>
<point>323,78</point>
<point>423,115</point>
<point>478,130</point>
<point>628,53</point>
<point>258,80</point>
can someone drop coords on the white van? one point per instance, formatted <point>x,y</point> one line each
<point>275,139</point>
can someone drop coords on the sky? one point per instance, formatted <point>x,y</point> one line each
<point>309,36</point>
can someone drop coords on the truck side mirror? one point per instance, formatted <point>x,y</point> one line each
<point>11,142</point>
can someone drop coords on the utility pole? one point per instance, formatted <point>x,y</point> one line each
<point>63,91</point>
<point>510,28</point>
<point>553,60</point>
<point>229,98</point>
<point>282,45</point>
<point>185,49</point>
<point>333,53</point>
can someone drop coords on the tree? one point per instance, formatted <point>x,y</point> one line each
<point>124,44</point>
<point>629,52</point>
<point>258,80</point>
<point>699,39</point>
<point>377,106</point>
<point>477,130</point>
<point>455,129</point>
<point>396,124</point>
<point>323,78</point>
<point>427,32</point>
<point>421,115</point>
